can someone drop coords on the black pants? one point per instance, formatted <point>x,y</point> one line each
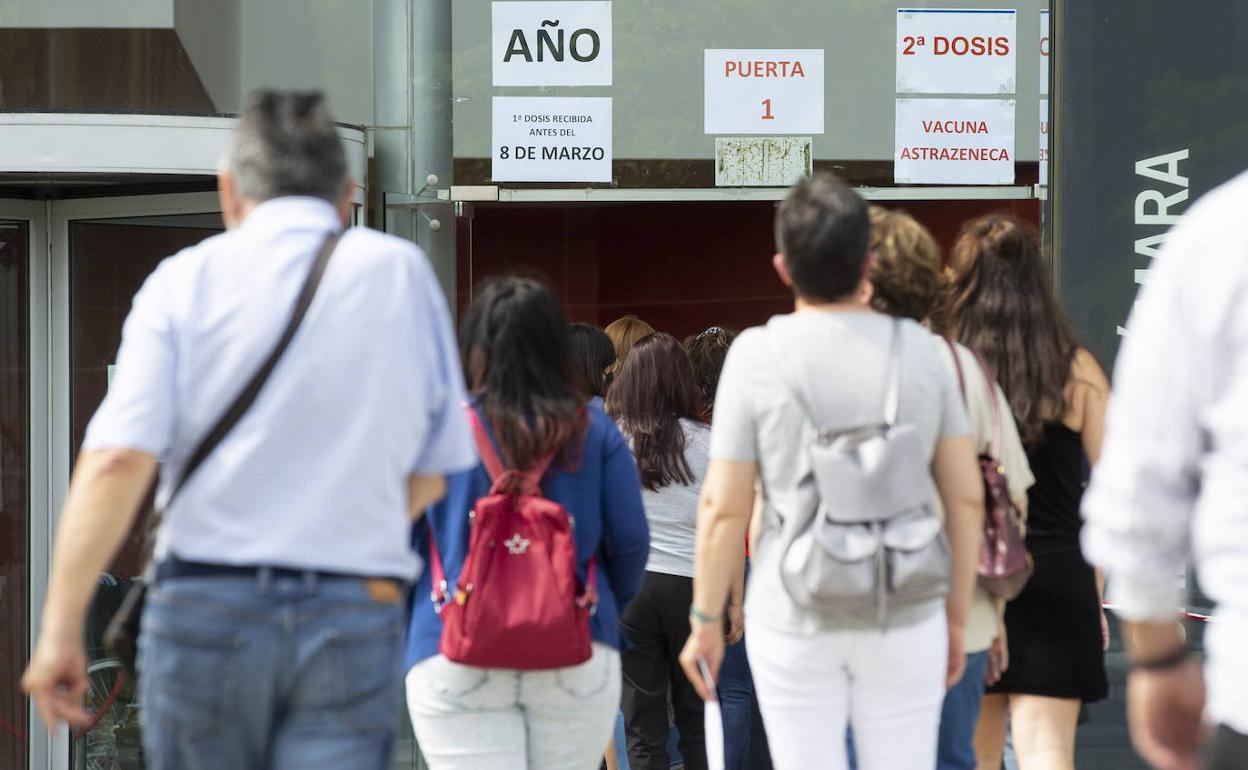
<point>657,625</point>
<point>1229,751</point>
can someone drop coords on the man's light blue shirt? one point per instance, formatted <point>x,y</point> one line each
<point>314,476</point>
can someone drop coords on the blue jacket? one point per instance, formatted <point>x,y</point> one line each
<point>603,496</point>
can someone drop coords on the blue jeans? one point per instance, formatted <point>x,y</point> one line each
<point>239,673</point>
<point>956,747</point>
<point>745,740</point>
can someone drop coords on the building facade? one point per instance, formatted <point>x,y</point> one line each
<point>631,152</point>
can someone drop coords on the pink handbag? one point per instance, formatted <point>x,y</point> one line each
<point>1005,566</point>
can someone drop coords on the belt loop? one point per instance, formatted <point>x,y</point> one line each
<point>264,579</point>
<point>310,581</point>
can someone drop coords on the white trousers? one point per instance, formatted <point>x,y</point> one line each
<point>888,685</point>
<point>468,718</point>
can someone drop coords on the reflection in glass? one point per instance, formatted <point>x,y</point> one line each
<point>14,489</point>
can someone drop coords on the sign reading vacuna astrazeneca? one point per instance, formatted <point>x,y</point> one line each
<point>560,43</point>
<point>956,51</point>
<point>954,141</point>
<point>763,91</point>
<point>552,139</point>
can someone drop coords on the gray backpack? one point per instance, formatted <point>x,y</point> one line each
<point>875,540</point>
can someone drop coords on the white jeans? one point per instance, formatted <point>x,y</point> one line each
<point>888,685</point>
<point>468,718</point>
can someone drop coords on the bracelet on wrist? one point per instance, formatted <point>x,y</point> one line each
<point>1164,662</point>
<point>701,617</point>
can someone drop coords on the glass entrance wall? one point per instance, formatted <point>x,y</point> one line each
<point>108,261</point>
<point>680,266</point>
<point>14,487</point>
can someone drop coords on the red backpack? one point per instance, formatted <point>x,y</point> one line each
<point>518,602</point>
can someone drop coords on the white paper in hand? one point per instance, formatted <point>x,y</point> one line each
<point>714,724</point>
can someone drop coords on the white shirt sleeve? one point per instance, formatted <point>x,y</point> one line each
<point>448,446</point>
<point>138,412</point>
<point>1140,503</point>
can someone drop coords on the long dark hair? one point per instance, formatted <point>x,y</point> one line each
<point>514,342</point>
<point>1000,303</point>
<point>707,352</point>
<point>592,353</point>
<point>653,391</point>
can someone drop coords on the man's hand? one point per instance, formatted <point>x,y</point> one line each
<point>57,679</point>
<point>1164,710</point>
<point>706,642</point>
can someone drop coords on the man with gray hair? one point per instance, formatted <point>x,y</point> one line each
<point>272,633</point>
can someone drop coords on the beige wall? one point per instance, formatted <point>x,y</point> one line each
<point>323,44</point>
<point>87,13</point>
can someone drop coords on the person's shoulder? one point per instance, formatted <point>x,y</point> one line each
<point>370,244</point>
<point>1086,375</point>
<point>600,426</point>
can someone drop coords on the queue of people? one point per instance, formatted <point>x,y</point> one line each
<point>600,520</point>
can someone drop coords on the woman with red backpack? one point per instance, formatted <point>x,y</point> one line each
<point>514,636</point>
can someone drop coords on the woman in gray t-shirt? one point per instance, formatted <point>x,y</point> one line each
<point>654,399</point>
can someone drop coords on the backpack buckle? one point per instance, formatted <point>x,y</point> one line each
<point>439,597</point>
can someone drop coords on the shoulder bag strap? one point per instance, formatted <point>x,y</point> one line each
<point>990,379</point>
<point>243,401</point>
<point>247,396</point>
<point>957,367</point>
<point>892,393</point>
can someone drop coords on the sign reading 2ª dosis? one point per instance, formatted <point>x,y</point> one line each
<point>566,43</point>
<point>956,51</point>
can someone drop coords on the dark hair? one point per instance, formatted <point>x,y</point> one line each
<point>905,274</point>
<point>517,358</point>
<point>286,144</point>
<point>707,352</point>
<point>592,353</point>
<point>1000,303</point>
<point>624,333</point>
<point>651,394</point>
<point>822,229</point>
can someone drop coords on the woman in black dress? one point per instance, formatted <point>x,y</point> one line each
<point>1001,304</point>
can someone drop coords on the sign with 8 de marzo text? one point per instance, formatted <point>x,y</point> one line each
<point>551,43</point>
<point>552,139</point>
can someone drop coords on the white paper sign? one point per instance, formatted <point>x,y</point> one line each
<point>1044,53</point>
<point>763,91</point>
<point>956,51</point>
<point>954,141</point>
<point>552,43</point>
<point>552,139</point>
<point>1044,141</point>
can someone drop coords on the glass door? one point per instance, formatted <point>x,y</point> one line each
<point>103,249</point>
<point>22,247</point>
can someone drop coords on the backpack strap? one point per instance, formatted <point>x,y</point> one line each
<point>957,366</point>
<point>991,379</point>
<point>439,592</point>
<point>892,394</point>
<point>530,481</point>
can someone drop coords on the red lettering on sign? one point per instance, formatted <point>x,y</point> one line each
<point>997,154</point>
<point>970,46</point>
<point>954,126</point>
<point>764,69</point>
